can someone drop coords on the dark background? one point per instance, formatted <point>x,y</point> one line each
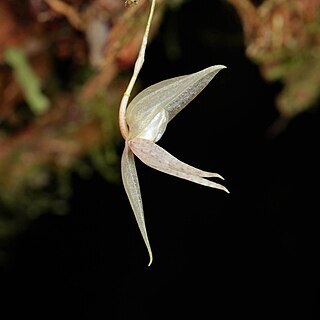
<point>249,254</point>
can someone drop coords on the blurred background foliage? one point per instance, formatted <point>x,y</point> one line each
<point>283,38</point>
<point>63,69</point>
<point>64,66</point>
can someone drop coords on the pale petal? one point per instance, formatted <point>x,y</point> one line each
<point>131,185</point>
<point>158,158</point>
<point>171,95</point>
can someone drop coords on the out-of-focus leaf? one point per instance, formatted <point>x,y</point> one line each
<point>28,80</point>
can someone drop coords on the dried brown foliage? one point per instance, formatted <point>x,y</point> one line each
<point>283,38</point>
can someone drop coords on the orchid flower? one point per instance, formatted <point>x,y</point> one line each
<point>143,123</point>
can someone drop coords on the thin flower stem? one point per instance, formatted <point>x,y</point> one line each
<point>137,67</point>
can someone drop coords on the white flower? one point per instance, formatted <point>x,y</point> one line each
<point>147,117</point>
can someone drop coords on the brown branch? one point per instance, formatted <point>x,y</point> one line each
<point>125,35</point>
<point>121,34</point>
<point>68,11</point>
